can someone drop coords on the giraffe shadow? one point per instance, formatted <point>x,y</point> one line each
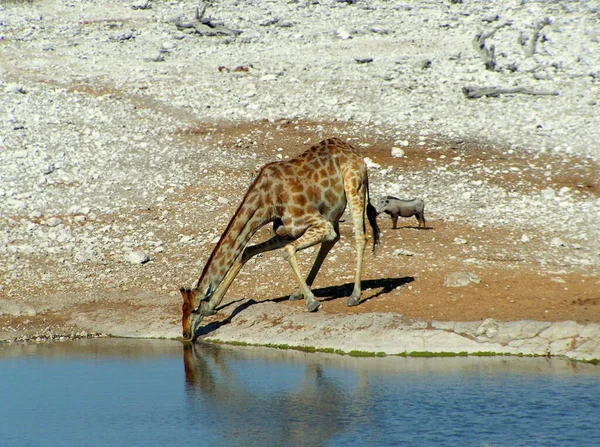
<point>380,286</point>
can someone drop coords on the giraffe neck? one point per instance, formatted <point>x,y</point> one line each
<point>248,218</point>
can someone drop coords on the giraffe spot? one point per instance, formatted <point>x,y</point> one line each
<point>305,171</point>
<point>331,197</point>
<point>296,186</point>
<point>297,211</point>
<point>325,183</point>
<point>287,170</point>
<point>300,200</point>
<point>275,174</point>
<point>283,198</point>
<point>266,184</point>
<point>313,192</point>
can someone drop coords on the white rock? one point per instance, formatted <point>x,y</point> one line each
<point>402,252</point>
<point>548,194</point>
<point>461,279</point>
<point>53,221</point>
<point>343,33</point>
<point>371,164</point>
<point>557,242</point>
<point>525,238</point>
<point>269,78</point>
<point>14,88</point>
<point>137,257</point>
<point>397,152</point>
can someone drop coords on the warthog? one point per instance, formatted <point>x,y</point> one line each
<point>402,208</point>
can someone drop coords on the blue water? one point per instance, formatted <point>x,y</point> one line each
<point>151,393</point>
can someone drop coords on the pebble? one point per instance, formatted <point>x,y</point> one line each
<point>53,221</point>
<point>402,252</point>
<point>137,257</point>
<point>102,151</point>
<point>397,152</point>
<point>461,279</point>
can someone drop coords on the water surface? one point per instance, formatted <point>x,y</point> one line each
<point>128,392</point>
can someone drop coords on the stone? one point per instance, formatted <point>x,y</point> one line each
<point>402,252</point>
<point>397,152</point>
<point>137,257</point>
<point>343,33</point>
<point>461,279</point>
<point>53,221</point>
<point>548,194</point>
<point>371,164</point>
<point>14,309</point>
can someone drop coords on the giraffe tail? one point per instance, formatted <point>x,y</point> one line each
<point>372,217</point>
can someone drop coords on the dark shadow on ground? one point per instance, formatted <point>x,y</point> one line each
<point>385,285</point>
<point>410,227</point>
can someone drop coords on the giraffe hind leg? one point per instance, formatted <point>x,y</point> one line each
<point>356,199</point>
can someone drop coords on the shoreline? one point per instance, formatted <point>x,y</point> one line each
<point>278,326</point>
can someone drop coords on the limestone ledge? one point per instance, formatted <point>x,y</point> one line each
<point>268,323</point>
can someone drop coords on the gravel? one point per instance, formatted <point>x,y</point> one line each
<point>96,98</point>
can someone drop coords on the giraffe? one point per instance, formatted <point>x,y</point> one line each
<point>304,198</point>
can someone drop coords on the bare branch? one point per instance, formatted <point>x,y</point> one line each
<point>479,92</point>
<point>530,51</point>
<point>488,54</point>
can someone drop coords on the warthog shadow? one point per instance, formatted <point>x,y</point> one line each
<point>330,293</point>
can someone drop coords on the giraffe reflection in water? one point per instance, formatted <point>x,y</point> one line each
<point>283,399</point>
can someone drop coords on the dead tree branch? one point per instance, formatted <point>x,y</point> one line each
<point>480,92</point>
<point>531,49</point>
<point>488,54</point>
<point>204,26</point>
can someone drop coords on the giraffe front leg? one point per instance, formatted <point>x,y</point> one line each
<point>321,231</point>
<point>312,304</point>
<point>326,247</point>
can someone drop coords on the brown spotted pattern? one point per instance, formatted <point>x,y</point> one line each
<point>304,198</point>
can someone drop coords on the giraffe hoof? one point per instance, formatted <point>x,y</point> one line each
<point>313,305</point>
<point>352,301</point>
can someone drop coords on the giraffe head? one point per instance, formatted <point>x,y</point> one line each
<point>193,310</point>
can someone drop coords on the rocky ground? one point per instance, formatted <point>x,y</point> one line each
<point>129,132</point>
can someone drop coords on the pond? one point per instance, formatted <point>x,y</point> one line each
<point>161,392</point>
